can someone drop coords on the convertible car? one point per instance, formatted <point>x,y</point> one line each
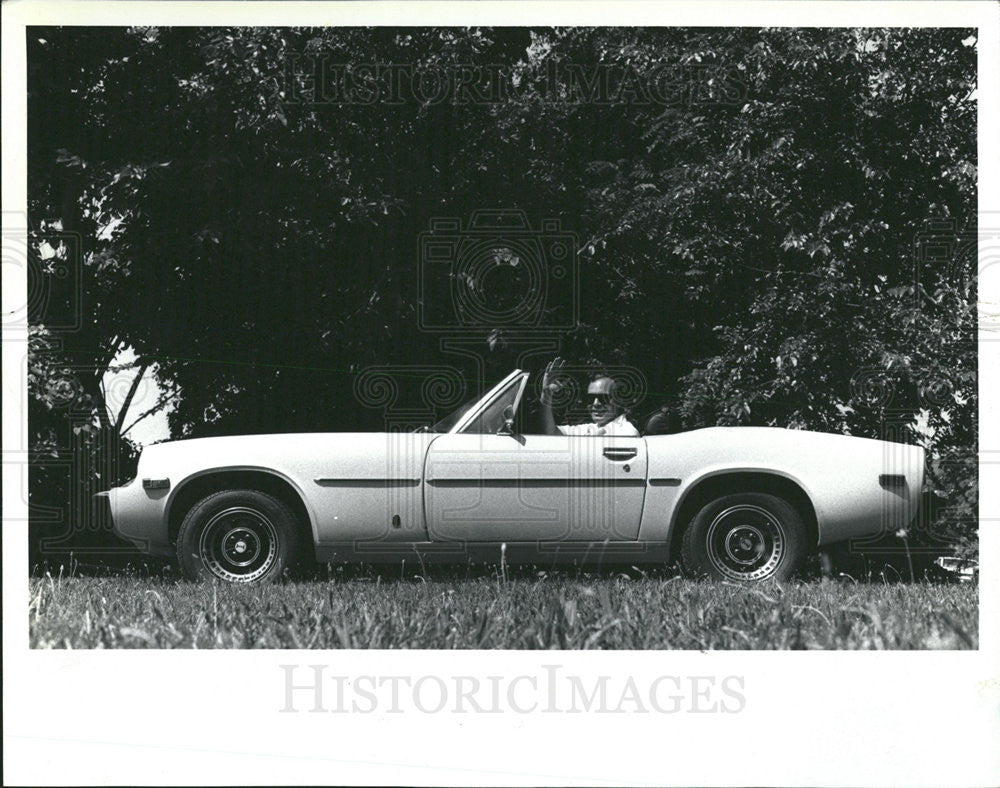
<point>735,503</point>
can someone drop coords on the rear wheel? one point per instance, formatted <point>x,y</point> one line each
<point>239,536</point>
<point>746,537</point>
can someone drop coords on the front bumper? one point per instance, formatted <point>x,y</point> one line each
<point>139,516</point>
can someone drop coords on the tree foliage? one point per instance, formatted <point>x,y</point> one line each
<point>761,216</point>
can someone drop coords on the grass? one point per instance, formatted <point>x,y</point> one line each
<point>523,610</point>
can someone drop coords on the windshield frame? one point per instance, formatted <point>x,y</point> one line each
<point>492,394</point>
<point>456,416</point>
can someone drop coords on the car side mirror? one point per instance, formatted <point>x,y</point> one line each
<point>507,428</point>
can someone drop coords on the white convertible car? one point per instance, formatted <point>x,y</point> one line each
<point>737,503</point>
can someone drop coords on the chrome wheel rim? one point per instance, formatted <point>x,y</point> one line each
<point>239,545</point>
<point>745,542</point>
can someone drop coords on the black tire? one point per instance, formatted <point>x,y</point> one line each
<point>237,536</point>
<point>747,537</point>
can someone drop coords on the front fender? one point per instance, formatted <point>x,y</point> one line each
<point>239,475</point>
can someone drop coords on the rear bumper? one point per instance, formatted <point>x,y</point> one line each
<point>930,510</point>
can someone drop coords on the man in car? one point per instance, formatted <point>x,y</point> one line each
<point>606,413</point>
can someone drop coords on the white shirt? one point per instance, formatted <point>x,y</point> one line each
<point>620,426</point>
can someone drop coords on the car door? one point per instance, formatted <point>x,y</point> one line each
<point>481,486</point>
<point>366,487</point>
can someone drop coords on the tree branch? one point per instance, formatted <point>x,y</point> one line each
<point>160,404</point>
<point>128,398</point>
<point>108,357</point>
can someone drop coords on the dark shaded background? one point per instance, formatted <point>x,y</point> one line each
<point>773,226</point>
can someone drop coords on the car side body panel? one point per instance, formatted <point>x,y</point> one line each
<point>441,496</point>
<point>354,486</point>
<point>843,477</point>
<point>547,488</point>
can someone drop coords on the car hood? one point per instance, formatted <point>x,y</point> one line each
<point>249,446</point>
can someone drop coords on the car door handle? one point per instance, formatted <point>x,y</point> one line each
<point>620,454</point>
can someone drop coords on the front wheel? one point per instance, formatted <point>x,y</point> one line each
<point>239,536</point>
<point>745,537</point>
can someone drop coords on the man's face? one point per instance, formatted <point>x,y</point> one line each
<point>599,399</point>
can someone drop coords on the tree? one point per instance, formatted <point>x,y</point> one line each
<point>749,205</point>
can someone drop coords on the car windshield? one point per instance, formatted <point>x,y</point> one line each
<point>454,417</point>
<point>493,417</point>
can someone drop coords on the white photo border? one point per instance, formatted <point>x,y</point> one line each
<point>831,718</point>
